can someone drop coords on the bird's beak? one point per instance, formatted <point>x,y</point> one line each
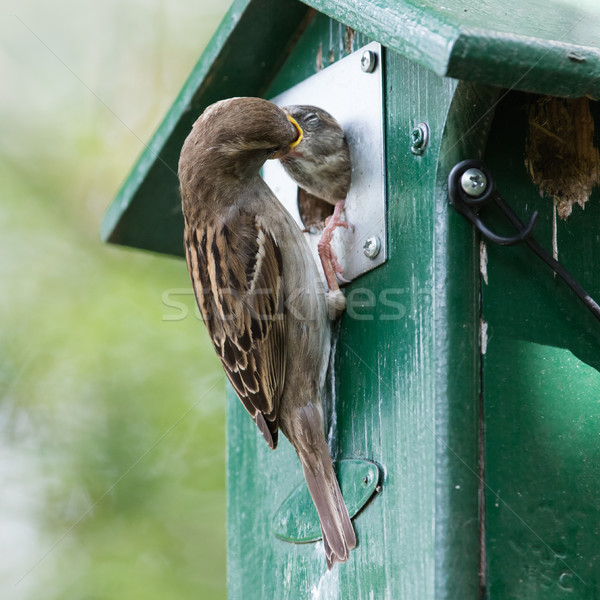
<point>298,129</point>
<point>284,151</point>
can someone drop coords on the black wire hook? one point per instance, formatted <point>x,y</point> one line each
<point>468,205</point>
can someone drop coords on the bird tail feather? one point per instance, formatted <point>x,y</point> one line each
<point>338,533</point>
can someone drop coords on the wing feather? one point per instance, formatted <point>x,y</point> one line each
<point>236,270</point>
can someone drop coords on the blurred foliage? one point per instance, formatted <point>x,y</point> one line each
<point>111,405</point>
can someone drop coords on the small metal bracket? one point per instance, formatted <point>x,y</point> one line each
<point>354,96</point>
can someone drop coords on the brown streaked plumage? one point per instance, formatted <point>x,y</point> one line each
<point>259,291</point>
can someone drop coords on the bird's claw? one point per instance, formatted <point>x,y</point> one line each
<point>331,266</point>
<point>335,220</point>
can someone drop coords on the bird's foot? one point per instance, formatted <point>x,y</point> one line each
<point>336,220</point>
<point>331,266</point>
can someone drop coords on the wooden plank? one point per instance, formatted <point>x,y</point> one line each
<point>541,388</point>
<point>545,46</point>
<point>405,379</point>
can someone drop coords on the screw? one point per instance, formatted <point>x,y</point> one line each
<point>473,182</point>
<point>368,61</point>
<point>372,247</point>
<point>420,138</point>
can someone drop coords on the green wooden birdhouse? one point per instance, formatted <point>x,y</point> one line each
<point>464,389</point>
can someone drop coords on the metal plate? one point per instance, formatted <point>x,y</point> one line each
<point>355,99</point>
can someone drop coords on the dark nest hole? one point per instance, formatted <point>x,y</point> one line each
<point>313,211</point>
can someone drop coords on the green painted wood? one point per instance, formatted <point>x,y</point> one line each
<point>297,521</point>
<point>407,366</point>
<point>241,60</point>
<point>541,388</point>
<point>406,378</point>
<point>457,295</point>
<point>325,42</point>
<point>545,46</point>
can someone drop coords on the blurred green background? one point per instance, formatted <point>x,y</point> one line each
<point>112,406</point>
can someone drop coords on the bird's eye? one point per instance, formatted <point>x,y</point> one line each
<point>311,119</point>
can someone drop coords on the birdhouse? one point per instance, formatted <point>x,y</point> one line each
<point>464,388</point>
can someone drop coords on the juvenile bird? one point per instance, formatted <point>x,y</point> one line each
<point>320,162</point>
<point>259,291</point>
<point>320,165</point>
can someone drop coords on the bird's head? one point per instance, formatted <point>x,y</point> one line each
<point>322,134</point>
<point>233,138</point>
<point>320,163</point>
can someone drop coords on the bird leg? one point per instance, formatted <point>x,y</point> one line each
<point>329,261</point>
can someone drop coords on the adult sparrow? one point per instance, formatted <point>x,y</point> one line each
<point>320,165</point>
<point>259,290</point>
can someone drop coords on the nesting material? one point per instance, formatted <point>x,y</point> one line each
<point>560,154</point>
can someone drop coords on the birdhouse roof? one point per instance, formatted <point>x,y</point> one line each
<point>543,46</point>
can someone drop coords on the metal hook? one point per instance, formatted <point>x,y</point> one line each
<point>467,204</point>
<point>483,190</point>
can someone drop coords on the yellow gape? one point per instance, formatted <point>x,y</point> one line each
<point>298,129</point>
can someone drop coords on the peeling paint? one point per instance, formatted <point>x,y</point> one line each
<point>349,40</point>
<point>483,261</point>
<point>555,232</point>
<point>328,585</point>
<point>320,58</point>
<point>483,342</point>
